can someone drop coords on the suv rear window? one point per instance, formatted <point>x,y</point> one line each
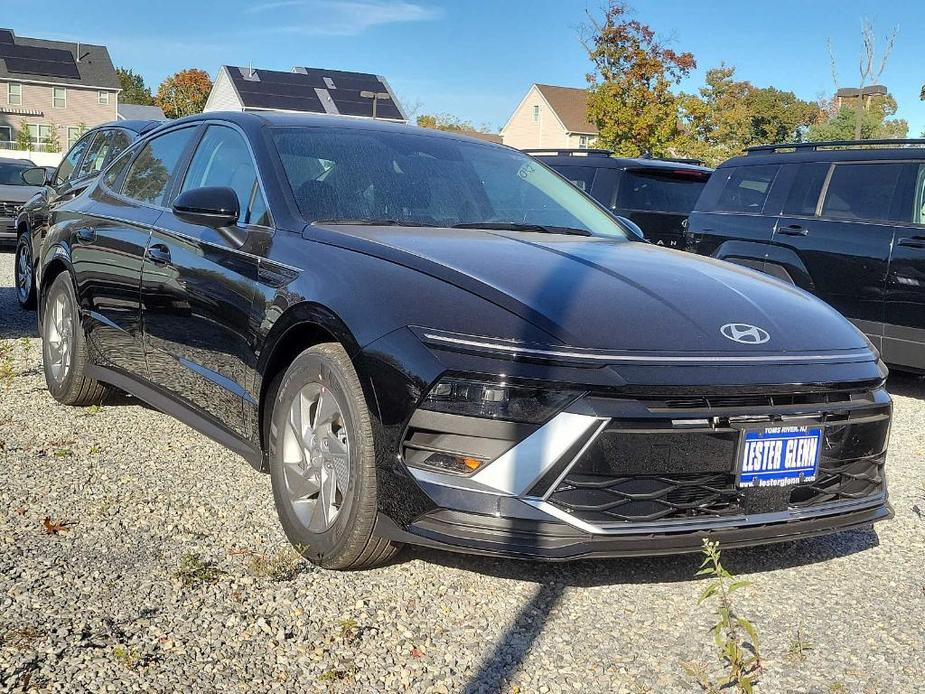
<point>650,190</point>
<point>746,188</point>
<point>580,176</point>
<point>863,192</point>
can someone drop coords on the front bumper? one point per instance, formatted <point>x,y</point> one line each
<point>7,228</point>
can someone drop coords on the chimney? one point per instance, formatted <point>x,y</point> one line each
<point>78,51</point>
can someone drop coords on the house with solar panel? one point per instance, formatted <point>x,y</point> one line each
<point>304,90</point>
<point>58,85</point>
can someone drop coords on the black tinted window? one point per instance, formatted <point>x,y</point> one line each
<point>96,154</point>
<point>862,191</point>
<point>746,188</point>
<point>660,191</point>
<point>805,190</point>
<point>70,161</point>
<point>151,170</point>
<point>582,177</point>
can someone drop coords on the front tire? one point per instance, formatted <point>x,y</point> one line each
<point>64,348</point>
<point>323,464</point>
<point>25,275</point>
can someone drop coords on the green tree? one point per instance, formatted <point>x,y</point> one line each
<point>447,121</point>
<point>875,122</point>
<point>23,138</point>
<point>184,93</point>
<point>133,86</point>
<point>727,115</point>
<point>52,140</point>
<point>629,89</point>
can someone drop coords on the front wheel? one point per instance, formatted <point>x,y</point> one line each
<point>25,277</point>
<point>322,462</point>
<point>64,348</point>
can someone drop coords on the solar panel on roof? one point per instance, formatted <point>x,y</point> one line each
<point>34,60</point>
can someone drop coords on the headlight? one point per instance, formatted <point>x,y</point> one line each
<point>510,402</point>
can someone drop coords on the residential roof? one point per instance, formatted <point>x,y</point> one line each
<point>140,112</point>
<point>571,106</point>
<point>871,90</point>
<point>63,62</point>
<point>314,90</point>
<point>488,137</point>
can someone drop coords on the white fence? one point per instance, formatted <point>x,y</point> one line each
<point>39,158</point>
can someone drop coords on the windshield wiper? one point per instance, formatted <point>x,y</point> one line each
<point>372,222</point>
<point>515,226</point>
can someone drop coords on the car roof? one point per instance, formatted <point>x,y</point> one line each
<point>599,159</point>
<point>137,126</point>
<point>824,152</point>
<point>285,119</point>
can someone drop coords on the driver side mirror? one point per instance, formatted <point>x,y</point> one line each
<point>216,207</point>
<point>633,228</point>
<point>38,176</point>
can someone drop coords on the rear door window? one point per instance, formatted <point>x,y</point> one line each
<point>652,190</point>
<point>865,192</point>
<point>156,163</point>
<point>806,188</point>
<point>747,189</point>
<point>72,159</point>
<point>582,177</point>
<point>96,154</point>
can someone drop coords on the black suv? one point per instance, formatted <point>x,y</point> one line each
<point>655,194</point>
<point>82,163</point>
<point>427,338</point>
<point>843,220</point>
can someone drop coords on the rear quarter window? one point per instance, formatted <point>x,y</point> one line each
<point>866,192</point>
<point>742,189</point>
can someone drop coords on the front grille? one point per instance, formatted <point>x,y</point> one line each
<point>9,209</point>
<point>665,474</point>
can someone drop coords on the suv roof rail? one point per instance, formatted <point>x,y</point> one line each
<point>588,152</point>
<point>843,144</point>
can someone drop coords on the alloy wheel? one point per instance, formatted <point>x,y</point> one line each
<point>59,334</point>
<point>316,457</point>
<point>24,272</point>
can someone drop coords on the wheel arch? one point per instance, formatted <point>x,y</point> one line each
<point>775,260</point>
<point>52,268</point>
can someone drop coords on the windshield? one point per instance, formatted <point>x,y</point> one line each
<point>660,191</point>
<point>11,174</point>
<point>379,176</point>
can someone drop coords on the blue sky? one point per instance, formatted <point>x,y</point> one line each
<point>476,58</point>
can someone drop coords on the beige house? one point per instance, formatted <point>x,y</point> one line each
<point>550,117</point>
<point>46,85</point>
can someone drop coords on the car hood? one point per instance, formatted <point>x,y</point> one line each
<point>607,294</point>
<point>18,193</point>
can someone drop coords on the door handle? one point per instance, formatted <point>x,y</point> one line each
<point>793,230</point>
<point>158,254</point>
<point>912,242</point>
<point>86,234</point>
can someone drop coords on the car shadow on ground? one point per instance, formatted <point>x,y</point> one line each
<point>501,664</point>
<point>14,321</point>
<point>906,384</point>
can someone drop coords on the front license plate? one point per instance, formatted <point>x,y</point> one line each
<point>778,456</point>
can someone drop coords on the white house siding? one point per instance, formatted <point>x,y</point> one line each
<point>223,96</point>
<point>523,132</point>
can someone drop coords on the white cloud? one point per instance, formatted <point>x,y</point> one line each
<point>341,17</point>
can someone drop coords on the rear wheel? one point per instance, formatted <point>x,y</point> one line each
<point>25,279</point>
<point>64,348</point>
<point>322,462</point>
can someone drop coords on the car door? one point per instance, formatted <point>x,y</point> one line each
<point>732,219</point>
<point>108,249</point>
<point>904,326</point>
<point>198,285</point>
<point>844,245</point>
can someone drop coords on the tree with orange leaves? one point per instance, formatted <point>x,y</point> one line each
<point>629,91</point>
<point>184,93</point>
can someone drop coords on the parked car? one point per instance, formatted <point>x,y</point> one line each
<point>14,191</point>
<point>55,185</point>
<point>655,194</point>
<point>432,339</point>
<point>843,220</point>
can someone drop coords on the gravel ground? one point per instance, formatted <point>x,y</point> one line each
<point>173,575</point>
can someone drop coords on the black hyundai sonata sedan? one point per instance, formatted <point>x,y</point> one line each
<point>428,339</point>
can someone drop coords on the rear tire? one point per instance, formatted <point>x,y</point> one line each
<point>323,463</point>
<point>64,348</point>
<point>25,272</point>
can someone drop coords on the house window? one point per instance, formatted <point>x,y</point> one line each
<point>6,137</point>
<point>536,114</point>
<point>59,97</point>
<point>38,134</point>
<point>14,94</point>
<point>73,134</point>
<point>102,98</point>
<point>584,141</point>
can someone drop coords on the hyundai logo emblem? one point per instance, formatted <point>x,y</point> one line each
<point>745,333</point>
